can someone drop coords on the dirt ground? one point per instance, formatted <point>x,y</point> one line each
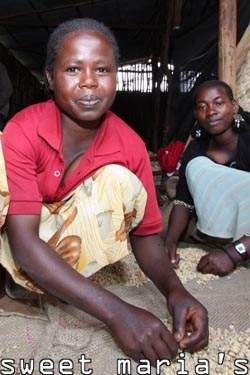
<point>74,343</point>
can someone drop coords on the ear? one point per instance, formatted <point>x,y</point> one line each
<point>49,77</point>
<point>235,106</point>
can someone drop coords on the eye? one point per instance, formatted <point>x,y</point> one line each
<point>201,107</point>
<point>219,104</point>
<point>103,69</point>
<point>72,69</point>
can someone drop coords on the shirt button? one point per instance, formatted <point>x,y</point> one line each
<point>57,173</point>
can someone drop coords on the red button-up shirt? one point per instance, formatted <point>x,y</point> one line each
<point>33,151</point>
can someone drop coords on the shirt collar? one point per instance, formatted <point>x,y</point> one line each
<point>105,142</point>
<point>50,126</point>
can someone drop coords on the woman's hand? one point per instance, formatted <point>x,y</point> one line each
<point>189,316</point>
<point>141,335</point>
<point>216,262</point>
<point>190,320</point>
<point>171,249</point>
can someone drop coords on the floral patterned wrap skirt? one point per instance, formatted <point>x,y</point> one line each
<point>90,227</point>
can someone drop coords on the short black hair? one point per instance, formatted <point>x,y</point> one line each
<point>214,83</point>
<point>76,25</point>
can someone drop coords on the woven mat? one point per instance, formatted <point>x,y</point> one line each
<point>67,333</point>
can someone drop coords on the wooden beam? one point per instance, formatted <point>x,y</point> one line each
<point>51,9</point>
<point>113,26</point>
<point>227,41</point>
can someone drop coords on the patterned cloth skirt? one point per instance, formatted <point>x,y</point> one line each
<point>89,228</point>
<point>221,198</point>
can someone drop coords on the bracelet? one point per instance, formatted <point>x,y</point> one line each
<point>241,249</point>
<point>226,251</point>
<point>177,202</point>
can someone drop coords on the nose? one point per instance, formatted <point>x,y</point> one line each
<point>211,110</point>
<point>87,79</point>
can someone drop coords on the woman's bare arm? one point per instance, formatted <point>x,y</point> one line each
<point>43,265</point>
<point>178,222</point>
<point>135,330</point>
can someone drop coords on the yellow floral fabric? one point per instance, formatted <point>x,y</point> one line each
<point>4,191</point>
<point>90,227</point>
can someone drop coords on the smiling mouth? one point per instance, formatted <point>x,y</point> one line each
<point>214,122</point>
<point>89,100</point>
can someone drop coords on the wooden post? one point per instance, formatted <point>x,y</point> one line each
<point>170,8</point>
<point>177,14</point>
<point>157,78</point>
<point>227,41</point>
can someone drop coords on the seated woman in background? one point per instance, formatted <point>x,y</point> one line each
<point>214,181</point>
<point>80,181</point>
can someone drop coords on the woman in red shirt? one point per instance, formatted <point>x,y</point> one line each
<point>79,181</point>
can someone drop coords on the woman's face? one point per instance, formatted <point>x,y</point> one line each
<point>84,77</point>
<point>214,110</point>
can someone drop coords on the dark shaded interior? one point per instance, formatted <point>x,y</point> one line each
<point>183,33</point>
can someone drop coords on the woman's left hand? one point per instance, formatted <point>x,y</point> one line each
<point>216,262</point>
<point>190,320</point>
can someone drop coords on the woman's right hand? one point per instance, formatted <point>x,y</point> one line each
<point>141,335</point>
<point>171,249</point>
